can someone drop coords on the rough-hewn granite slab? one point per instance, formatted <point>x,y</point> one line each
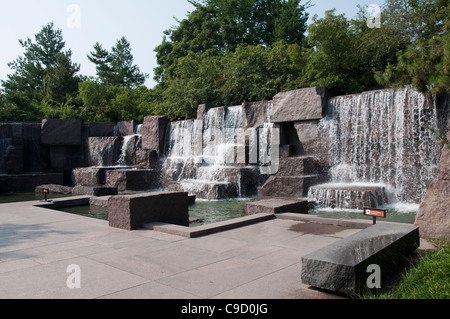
<point>342,267</point>
<point>299,105</point>
<point>131,212</point>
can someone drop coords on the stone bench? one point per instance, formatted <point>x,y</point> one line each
<point>343,266</point>
<point>131,212</point>
<point>99,201</point>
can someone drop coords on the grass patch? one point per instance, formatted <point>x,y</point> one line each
<point>429,279</point>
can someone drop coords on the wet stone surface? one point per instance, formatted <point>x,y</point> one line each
<point>318,229</point>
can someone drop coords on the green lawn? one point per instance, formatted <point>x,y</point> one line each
<point>429,279</point>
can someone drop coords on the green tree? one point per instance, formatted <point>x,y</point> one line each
<point>255,73</point>
<point>102,59</point>
<point>44,71</point>
<point>291,22</point>
<point>114,103</point>
<point>223,25</point>
<point>334,61</point>
<point>193,80</point>
<point>61,80</point>
<point>424,60</point>
<point>95,98</point>
<point>251,73</point>
<point>116,68</point>
<point>125,73</point>
<point>9,111</point>
<point>416,19</point>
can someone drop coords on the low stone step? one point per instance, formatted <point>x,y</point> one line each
<point>53,189</point>
<point>194,232</point>
<point>97,190</point>
<point>276,206</point>
<point>205,189</point>
<point>99,201</point>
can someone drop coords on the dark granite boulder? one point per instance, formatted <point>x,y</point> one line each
<point>61,132</point>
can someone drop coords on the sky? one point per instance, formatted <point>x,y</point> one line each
<point>85,22</point>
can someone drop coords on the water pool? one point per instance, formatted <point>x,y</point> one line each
<point>87,211</point>
<point>209,212</point>
<point>201,213</point>
<point>398,213</point>
<point>216,211</point>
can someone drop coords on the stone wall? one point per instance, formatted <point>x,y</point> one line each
<point>60,146</point>
<point>49,147</point>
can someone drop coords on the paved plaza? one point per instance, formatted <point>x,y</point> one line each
<point>259,261</point>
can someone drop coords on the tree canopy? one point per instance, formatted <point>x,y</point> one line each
<point>44,74</point>
<point>226,52</point>
<point>224,25</point>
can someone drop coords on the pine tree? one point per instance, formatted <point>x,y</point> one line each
<point>116,68</point>
<point>125,73</point>
<point>102,59</point>
<point>44,71</point>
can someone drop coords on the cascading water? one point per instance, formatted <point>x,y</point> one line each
<point>221,133</point>
<point>383,137</point>
<point>131,143</point>
<point>128,141</point>
<point>104,151</point>
<point>114,151</point>
<point>202,155</point>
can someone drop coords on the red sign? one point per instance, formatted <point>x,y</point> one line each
<point>375,212</point>
<point>46,191</point>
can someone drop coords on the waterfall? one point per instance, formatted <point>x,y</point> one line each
<point>129,146</point>
<point>104,151</point>
<point>131,143</point>
<point>115,151</point>
<point>182,144</point>
<point>201,155</point>
<point>265,143</point>
<point>221,131</point>
<point>208,141</point>
<point>383,137</point>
